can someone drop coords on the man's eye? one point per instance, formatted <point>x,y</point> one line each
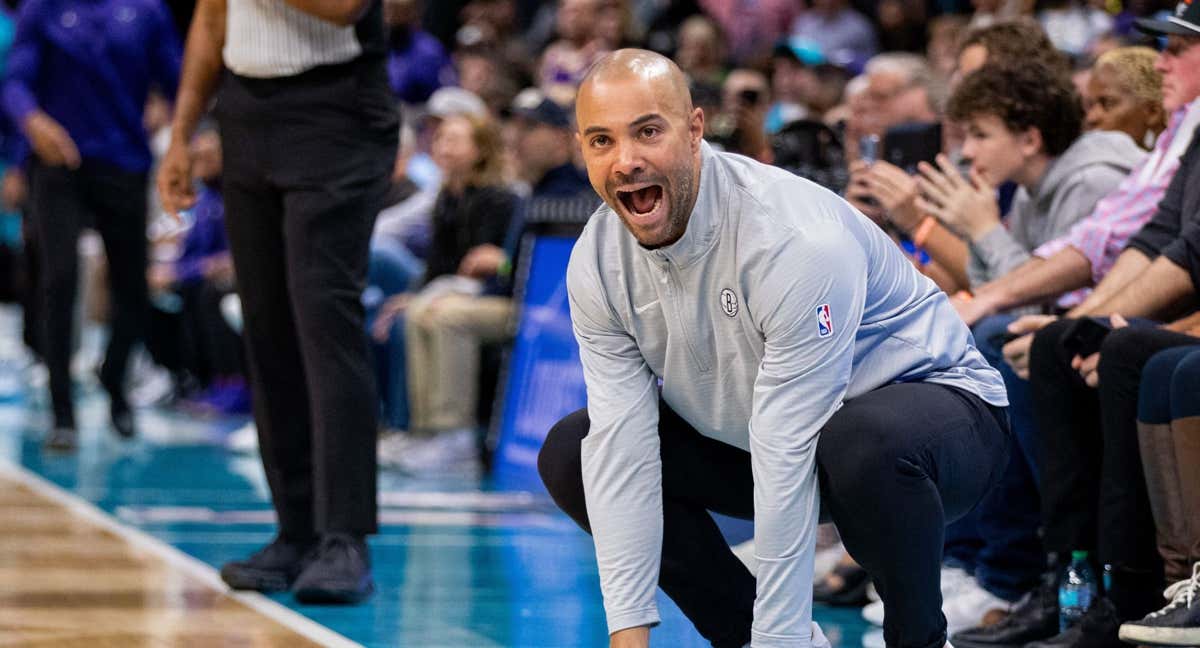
<point>600,140</point>
<point>650,131</point>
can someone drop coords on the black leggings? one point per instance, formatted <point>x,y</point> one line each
<point>63,202</point>
<point>895,465</point>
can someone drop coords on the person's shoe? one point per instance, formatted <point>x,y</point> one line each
<point>847,589</point>
<point>118,407</point>
<point>62,439</point>
<point>272,569</point>
<point>340,572</point>
<point>953,580</point>
<point>1177,624</point>
<point>451,451</point>
<point>971,607</point>
<point>1033,618</point>
<point>1097,629</point>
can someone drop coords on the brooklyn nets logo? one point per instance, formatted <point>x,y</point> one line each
<point>729,302</point>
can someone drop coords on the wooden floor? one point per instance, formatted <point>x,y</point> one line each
<point>66,580</point>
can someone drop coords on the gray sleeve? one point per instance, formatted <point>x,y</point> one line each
<point>997,252</point>
<point>622,476</point>
<point>801,382</point>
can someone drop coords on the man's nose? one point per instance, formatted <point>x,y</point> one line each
<point>629,161</point>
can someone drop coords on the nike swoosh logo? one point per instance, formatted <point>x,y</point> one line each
<point>642,309</point>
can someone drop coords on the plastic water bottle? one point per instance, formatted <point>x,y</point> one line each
<point>1077,591</point>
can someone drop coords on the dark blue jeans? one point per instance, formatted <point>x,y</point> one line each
<point>998,542</point>
<point>1169,386</point>
<point>393,269</point>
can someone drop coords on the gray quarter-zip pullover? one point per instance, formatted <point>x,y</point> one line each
<point>779,302</point>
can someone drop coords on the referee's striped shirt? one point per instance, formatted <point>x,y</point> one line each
<point>269,38</point>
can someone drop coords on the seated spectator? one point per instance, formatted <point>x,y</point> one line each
<point>1072,25</point>
<point>740,125</point>
<point>1168,422</point>
<point>566,60</point>
<point>1009,41</point>
<point>1124,93</point>
<point>700,51</point>
<point>444,336</point>
<point>190,289</point>
<point>1023,125</point>
<point>899,88</point>
<point>472,208</point>
<point>843,35</point>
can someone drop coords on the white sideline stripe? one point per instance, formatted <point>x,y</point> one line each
<point>202,572</point>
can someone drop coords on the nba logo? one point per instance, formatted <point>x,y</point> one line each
<point>824,321</point>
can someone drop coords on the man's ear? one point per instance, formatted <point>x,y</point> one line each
<point>696,126</point>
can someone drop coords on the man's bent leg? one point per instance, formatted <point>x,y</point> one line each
<point>896,465</point>
<point>699,572</point>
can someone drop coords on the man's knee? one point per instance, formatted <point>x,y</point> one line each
<point>559,463</point>
<point>1123,351</point>
<point>1047,344</point>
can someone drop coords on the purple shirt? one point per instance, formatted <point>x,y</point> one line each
<point>90,64</point>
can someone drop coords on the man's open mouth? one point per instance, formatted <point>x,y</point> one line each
<point>643,201</point>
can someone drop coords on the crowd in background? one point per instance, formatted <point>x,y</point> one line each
<point>1035,160</point>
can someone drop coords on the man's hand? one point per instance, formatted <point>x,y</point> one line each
<point>638,637</point>
<point>393,308</point>
<point>1088,367</point>
<point>1016,353</point>
<point>160,277</point>
<point>50,141</point>
<point>482,261</point>
<point>15,188</point>
<point>858,193</point>
<point>897,192</point>
<point>174,180</point>
<point>967,207</point>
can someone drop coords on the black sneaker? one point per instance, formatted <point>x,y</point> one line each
<point>1178,624</point>
<point>118,406</point>
<point>340,572</point>
<point>272,569</point>
<point>1033,618</point>
<point>1097,629</point>
<point>62,439</point>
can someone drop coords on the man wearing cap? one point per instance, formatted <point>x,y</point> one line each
<point>753,345</point>
<point>443,339</point>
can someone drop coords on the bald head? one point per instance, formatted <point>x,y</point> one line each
<point>659,72</point>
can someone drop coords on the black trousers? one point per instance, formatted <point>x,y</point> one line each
<point>1093,488</point>
<point>895,466</point>
<point>307,159</point>
<point>62,203</point>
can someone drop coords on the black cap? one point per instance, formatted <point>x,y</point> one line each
<point>537,107</point>
<point>1185,22</point>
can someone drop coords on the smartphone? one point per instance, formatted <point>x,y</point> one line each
<point>909,144</point>
<point>1085,336</point>
<point>868,148</point>
<point>1002,338</point>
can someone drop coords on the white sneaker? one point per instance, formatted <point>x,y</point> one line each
<point>969,606</point>
<point>392,445</point>
<point>953,581</point>
<point>244,439</point>
<point>449,451</point>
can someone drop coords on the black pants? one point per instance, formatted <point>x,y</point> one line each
<point>894,465</point>
<point>194,340</point>
<point>62,203</point>
<point>307,159</point>
<point>1093,488</point>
